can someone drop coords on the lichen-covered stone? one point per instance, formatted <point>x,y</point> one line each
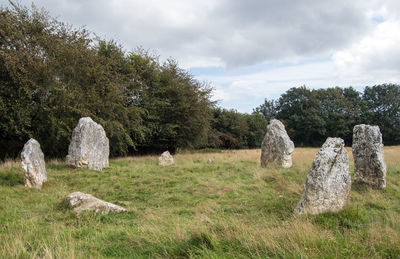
<point>276,148</point>
<point>369,163</point>
<point>328,182</point>
<point>33,164</point>
<point>165,159</point>
<point>85,202</point>
<point>89,146</point>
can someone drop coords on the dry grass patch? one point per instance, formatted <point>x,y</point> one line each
<point>10,163</point>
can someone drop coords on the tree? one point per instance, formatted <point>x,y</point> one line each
<point>257,128</point>
<point>340,109</point>
<point>268,109</point>
<point>229,129</point>
<point>382,108</point>
<point>299,110</point>
<point>177,108</point>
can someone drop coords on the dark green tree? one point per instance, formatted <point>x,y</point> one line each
<point>177,107</point>
<point>268,109</point>
<point>300,111</point>
<point>382,108</point>
<point>341,110</point>
<point>257,128</point>
<point>229,129</point>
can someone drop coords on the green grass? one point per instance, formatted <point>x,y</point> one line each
<point>230,208</point>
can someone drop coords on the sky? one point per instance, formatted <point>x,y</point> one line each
<point>251,50</point>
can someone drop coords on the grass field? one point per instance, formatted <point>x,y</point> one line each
<point>230,208</point>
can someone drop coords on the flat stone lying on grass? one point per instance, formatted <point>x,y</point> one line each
<point>89,146</point>
<point>328,182</point>
<point>85,202</point>
<point>165,159</point>
<point>369,163</point>
<point>33,164</point>
<point>276,148</point>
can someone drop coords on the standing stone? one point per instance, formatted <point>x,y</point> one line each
<point>369,163</point>
<point>276,148</point>
<point>85,202</point>
<point>328,182</point>
<point>165,159</point>
<point>33,164</point>
<point>89,146</point>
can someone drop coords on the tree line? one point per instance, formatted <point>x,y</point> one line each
<point>310,116</point>
<point>52,74</point>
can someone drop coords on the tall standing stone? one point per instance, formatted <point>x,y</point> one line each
<point>89,146</point>
<point>276,148</point>
<point>369,163</point>
<point>328,182</point>
<point>33,164</point>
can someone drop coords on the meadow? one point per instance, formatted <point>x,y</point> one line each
<point>229,208</point>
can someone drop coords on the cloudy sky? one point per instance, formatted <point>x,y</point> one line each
<point>250,50</point>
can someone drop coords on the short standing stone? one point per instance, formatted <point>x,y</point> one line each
<point>33,164</point>
<point>328,182</point>
<point>165,159</point>
<point>369,163</point>
<point>89,146</point>
<point>85,202</point>
<point>276,148</point>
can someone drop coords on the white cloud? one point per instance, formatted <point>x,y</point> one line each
<point>233,33</point>
<point>375,58</point>
<point>246,91</point>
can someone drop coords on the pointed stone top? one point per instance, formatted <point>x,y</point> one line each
<point>32,141</point>
<point>165,159</point>
<point>333,143</point>
<point>86,119</point>
<point>166,153</point>
<point>277,122</point>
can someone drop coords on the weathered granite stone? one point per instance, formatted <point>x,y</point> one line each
<point>89,146</point>
<point>33,164</point>
<point>85,202</point>
<point>165,159</point>
<point>276,148</point>
<point>328,182</point>
<point>369,163</point>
